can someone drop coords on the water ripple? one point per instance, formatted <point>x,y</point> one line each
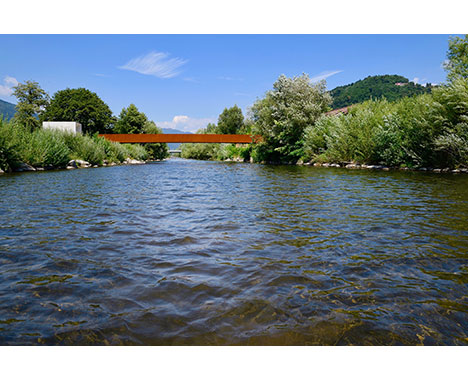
<point>190,252</point>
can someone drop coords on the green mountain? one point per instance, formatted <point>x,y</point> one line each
<point>392,87</point>
<point>7,109</point>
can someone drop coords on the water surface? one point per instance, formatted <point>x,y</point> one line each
<point>191,252</point>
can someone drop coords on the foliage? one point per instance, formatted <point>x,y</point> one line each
<point>199,151</point>
<point>283,114</point>
<point>80,105</point>
<point>8,150</point>
<point>157,151</point>
<point>32,100</point>
<point>210,128</point>
<point>86,148</point>
<point>457,58</point>
<point>230,121</point>
<point>427,130</point>
<point>376,87</point>
<point>48,148</point>
<point>131,120</point>
<point>136,151</point>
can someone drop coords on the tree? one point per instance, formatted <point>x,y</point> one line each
<point>131,120</point>
<point>156,151</point>
<point>210,128</point>
<point>283,114</point>
<point>457,58</point>
<point>80,105</point>
<point>230,121</point>
<point>31,102</point>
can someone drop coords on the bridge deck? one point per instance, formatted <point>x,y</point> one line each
<point>180,138</point>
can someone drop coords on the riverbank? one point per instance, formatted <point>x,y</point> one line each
<point>77,164</point>
<point>24,150</point>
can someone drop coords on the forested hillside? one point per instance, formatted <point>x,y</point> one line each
<point>7,109</point>
<point>392,87</point>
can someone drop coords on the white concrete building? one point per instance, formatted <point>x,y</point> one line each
<point>67,126</point>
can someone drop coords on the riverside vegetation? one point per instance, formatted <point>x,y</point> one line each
<point>24,145</point>
<point>50,149</point>
<point>426,130</point>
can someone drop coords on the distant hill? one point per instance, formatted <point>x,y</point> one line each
<point>7,109</point>
<point>173,146</point>
<point>392,87</point>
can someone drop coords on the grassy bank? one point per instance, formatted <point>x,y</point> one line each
<point>54,149</point>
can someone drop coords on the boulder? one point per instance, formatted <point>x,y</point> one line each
<point>83,164</point>
<point>353,166</point>
<point>131,161</point>
<point>1,171</point>
<point>73,164</point>
<point>23,167</point>
<point>70,167</point>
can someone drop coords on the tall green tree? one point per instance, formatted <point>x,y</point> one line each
<point>80,105</point>
<point>283,114</point>
<point>457,58</point>
<point>230,121</point>
<point>32,100</point>
<point>131,120</point>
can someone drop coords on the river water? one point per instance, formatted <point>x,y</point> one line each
<point>211,253</point>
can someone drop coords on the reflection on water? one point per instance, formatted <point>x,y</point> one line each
<point>190,252</point>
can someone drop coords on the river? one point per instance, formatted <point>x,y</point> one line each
<point>186,252</point>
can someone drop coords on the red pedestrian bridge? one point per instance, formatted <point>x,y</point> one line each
<point>181,138</point>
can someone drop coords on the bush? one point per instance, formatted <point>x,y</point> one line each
<point>135,151</point>
<point>284,113</point>
<point>426,130</point>
<point>86,148</point>
<point>199,151</point>
<point>8,150</point>
<point>47,149</point>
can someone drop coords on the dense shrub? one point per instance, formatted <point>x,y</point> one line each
<point>284,113</point>
<point>9,157</point>
<point>199,151</point>
<point>426,130</point>
<point>47,148</point>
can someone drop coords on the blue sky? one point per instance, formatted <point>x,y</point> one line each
<point>185,81</point>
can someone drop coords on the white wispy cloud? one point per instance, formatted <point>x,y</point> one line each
<point>6,88</point>
<point>156,64</point>
<point>190,79</point>
<point>230,78</point>
<point>324,75</point>
<point>186,123</point>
